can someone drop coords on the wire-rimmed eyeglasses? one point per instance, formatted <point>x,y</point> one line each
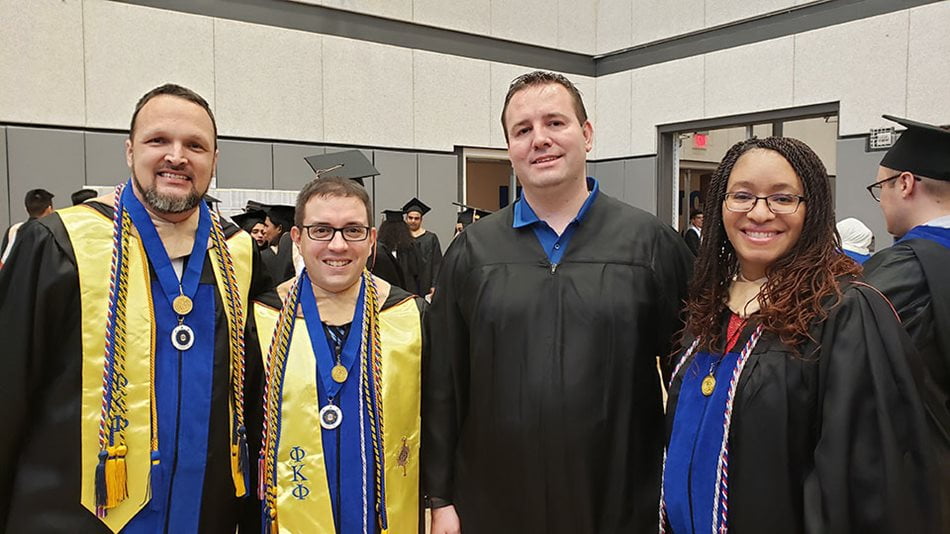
<point>875,188</point>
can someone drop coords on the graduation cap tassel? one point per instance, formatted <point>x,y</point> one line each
<point>101,493</point>
<point>120,487</point>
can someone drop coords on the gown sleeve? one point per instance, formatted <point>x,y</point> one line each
<point>444,379</point>
<point>673,265</point>
<point>39,307</point>
<point>873,465</point>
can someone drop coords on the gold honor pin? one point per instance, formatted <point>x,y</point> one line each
<point>339,373</point>
<point>708,385</point>
<point>182,305</point>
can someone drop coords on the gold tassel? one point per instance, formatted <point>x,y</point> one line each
<point>115,476</point>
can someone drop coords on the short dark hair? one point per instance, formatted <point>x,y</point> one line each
<point>540,77</point>
<point>694,213</point>
<point>171,89</point>
<point>37,200</point>
<point>332,186</point>
<point>83,195</point>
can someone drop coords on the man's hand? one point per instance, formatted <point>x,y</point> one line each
<point>445,521</point>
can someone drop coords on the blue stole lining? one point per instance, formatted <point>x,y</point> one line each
<point>932,233</point>
<point>689,485</point>
<point>859,258</point>
<point>183,381</point>
<point>341,446</point>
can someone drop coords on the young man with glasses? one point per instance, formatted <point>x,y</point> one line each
<point>341,441</point>
<point>913,187</point>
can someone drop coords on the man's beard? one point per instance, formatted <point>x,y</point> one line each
<point>167,204</point>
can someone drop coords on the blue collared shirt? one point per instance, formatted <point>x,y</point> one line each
<point>554,245</point>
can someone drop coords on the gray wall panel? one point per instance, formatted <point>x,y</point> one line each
<point>243,164</point>
<point>4,183</point>
<point>44,158</point>
<point>396,182</point>
<point>856,170</point>
<point>438,187</point>
<point>105,158</point>
<point>640,183</point>
<point>291,171</point>
<point>609,175</point>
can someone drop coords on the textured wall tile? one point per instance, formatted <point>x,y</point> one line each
<point>268,82</point>
<point>756,77</point>
<point>392,9</point>
<point>451,101</point>
<point>659,19</point>
<point>367,93</point>
<point>577,25</point>
<point>862,64</point>
<point>614,25</point>
<point>722,11</point>
<point>473,16</point>
<point>525,21</point>
<point>928,70</point>
<point>42,62</point>
<point>664,93</point>
<point>612,128</point>
<point>131,49</point>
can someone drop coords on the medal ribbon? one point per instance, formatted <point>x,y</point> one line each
<point>321,345</point>
<point>159,256</point>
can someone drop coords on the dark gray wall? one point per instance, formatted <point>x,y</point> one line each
<point>856,170</point>
<point>632,180</point>
<point>438,187</point>
<point>291,171</point>
<point>245,165</point>
<point>50,159</point>
<point>105,158</point>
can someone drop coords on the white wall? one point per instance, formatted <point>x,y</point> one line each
<point>85,63</point>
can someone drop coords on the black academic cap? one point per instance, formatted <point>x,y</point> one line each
<point>469,214</point>
<point>923,149</point>
<point>280,214</point>
<point>248,219</point>
<point>350,164</point>
<point>393,215</point>
<point>416,205</point>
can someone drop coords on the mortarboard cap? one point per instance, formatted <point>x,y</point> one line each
<point>280,214</point>
<point>416,205</point>
<point>350,164</point>
<point>248,219</point>
<point>393,215</point>
<point>923,149</point>
<point>469,214</point>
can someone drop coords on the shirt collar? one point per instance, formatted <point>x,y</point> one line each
<point>939,222</point>
<point>525,216</point>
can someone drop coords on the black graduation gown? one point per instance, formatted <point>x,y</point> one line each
<point>280,265</point>
<point>912,275</point>
<point>40,389</point>
<point>692,240</point>
<point>384,266</point>
<point>542,409</point>
<point>833,441</point>
<point>430,255</point>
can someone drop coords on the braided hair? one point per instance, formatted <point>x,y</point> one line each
<point>798,282</point>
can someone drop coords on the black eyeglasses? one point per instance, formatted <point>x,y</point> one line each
<point>779,203</point>
<point>875,188</point>
<point>325,232</point>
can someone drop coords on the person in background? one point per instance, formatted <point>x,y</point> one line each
<point>83,195</point>
<point>693,232</point>
<point>793,406</point>
<point>38,203</point>
<point>429,248</point>
<point>855,239</point>
<point>396,239</point>
<point>913,187</point>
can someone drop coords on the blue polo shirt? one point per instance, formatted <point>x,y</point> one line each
<point>554,245</point>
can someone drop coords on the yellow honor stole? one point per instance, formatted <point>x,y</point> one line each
<point>293,448</point>
<point>128,466</point>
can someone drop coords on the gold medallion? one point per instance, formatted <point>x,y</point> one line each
<point>708,385</point>
<point>182,305</point>
<point>339,373</point>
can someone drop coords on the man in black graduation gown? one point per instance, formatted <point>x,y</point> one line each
<point>913,187</point>
<point>693,232</point>
<point>178,423</point>
<point>542,403</point>
<point>430,250</point>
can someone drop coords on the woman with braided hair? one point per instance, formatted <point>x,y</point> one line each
<point>793,406</point>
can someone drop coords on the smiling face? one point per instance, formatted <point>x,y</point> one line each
<point>547,144</point>
<point>761,237</point>
<point>336,265</point>
<point>172,156</point>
